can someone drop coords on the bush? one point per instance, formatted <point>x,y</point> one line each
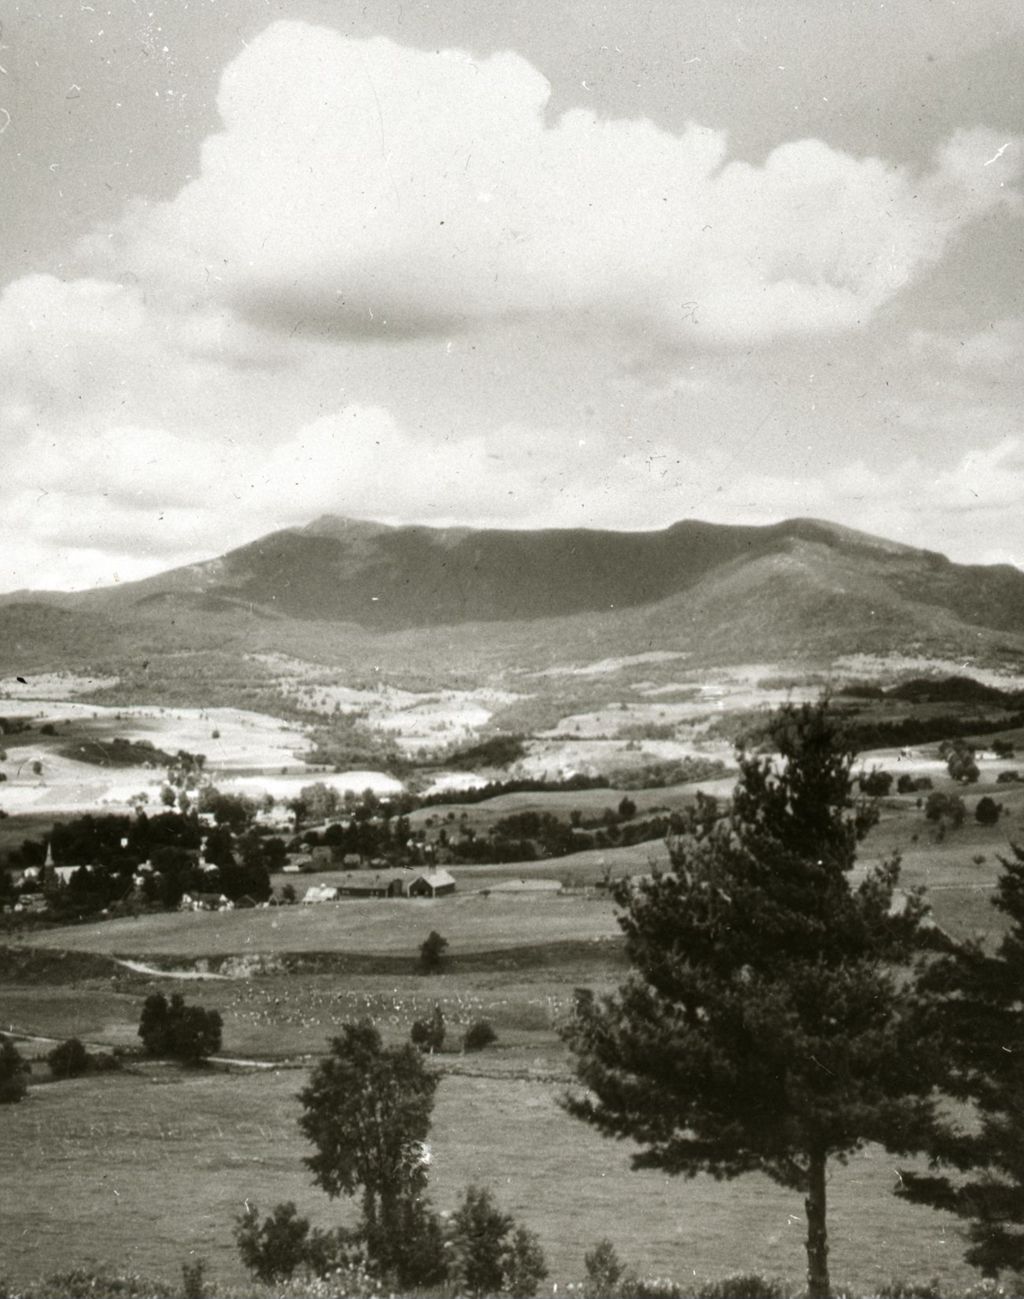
<point>479,1035</point>
<point>69,1059</point>
<point>911,1290</point>
<point>875,783</point>
<point>525,1266</point>
<point>432,951</point>
<point>273,1249</point>
<point>603,1271</point>
<point>80,1284</point>
<point>479,1231</point>
<point>987,811</point>
<point>744,1286</point>
<point>13,1073</point>
<point>429,1034</point>
<point>193,1279</point>
<point>945,807</point>
<point>1008,778</point>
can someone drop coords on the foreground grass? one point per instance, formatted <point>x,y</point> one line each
<point>145,1170</point>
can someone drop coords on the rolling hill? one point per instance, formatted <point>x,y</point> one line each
<point>340,590</point>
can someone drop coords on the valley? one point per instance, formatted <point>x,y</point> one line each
<point>579,742</point>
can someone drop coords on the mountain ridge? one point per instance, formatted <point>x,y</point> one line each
<point>720,592</point>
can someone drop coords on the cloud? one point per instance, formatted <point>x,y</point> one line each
<point>372,190</point>
<point>997,350</point>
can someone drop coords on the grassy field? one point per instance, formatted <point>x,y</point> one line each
<point>143,1170</point>
<point>470,922</point>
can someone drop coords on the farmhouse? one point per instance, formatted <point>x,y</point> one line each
<point>430,884</point>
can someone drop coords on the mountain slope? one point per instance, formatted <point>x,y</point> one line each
<point>336,587</point>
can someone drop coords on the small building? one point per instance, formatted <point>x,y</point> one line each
<point>319,893</point>
<point>205,902</point>
<point>431,884</point>
<point>374,884</point>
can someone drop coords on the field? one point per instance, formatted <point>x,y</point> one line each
<point>148,1167</point>
<point>471,922</point>
<point>145,1169</point>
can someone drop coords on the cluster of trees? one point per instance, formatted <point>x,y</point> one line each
<point>172,1030</point>
<point>110,849</point>
<point>366,1110</point>
<point>776,1019</point>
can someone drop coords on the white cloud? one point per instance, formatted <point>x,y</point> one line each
<point>997,350</point>
<point>208,381</point>
<point>368,188</point>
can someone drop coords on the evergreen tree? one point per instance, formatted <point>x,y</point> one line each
<point>13,1073</point>
<point>978,1016</point>
<point>765,1026</point>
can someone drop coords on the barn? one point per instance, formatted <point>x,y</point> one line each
<point>431,884</point>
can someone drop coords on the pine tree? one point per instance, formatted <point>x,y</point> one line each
<point>765,1026</point>
<point>978,1016</point>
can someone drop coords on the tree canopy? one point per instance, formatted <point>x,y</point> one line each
<point>978,1017</point>
<point>366,1110</point>
<point>764,1026</point>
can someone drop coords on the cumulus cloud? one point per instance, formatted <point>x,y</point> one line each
<point>366,188</point>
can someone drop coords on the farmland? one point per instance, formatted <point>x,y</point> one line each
<point>146,1167</point>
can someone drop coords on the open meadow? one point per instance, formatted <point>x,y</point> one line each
<point>149,1167</point>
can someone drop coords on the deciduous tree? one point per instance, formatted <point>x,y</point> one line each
<point>366,1110</point>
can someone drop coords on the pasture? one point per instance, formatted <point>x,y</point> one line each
<point>471,923</point>
<point>147,1169</point>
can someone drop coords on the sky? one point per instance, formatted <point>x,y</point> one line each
<point>550,263</point>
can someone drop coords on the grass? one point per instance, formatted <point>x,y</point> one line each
<point>470,922</point>
<point>143,1170</point>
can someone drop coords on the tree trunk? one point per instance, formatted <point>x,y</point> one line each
<point>818,1283</point>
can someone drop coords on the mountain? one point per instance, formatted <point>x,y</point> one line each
<point>718,592</point>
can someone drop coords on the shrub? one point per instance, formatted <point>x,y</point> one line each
<point>479,1231</point>
<point>875,783</point>
<point>13,1071</point>
<point>603,1271</point>
<point>945,807</point>
<point>193,1279</point>
<point>479,1035</point>
<point>744,1286</point>
<point>987,811</point>
<point>429,1034</point>
<point>81,1284</point>
<point>1008,778</point>
<point>273,1249</point>
<point>911,1290</point>
<point>657,1287</point>
<point>432,951</point>
<point>524,1266</point>
<point>69,1059</point>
